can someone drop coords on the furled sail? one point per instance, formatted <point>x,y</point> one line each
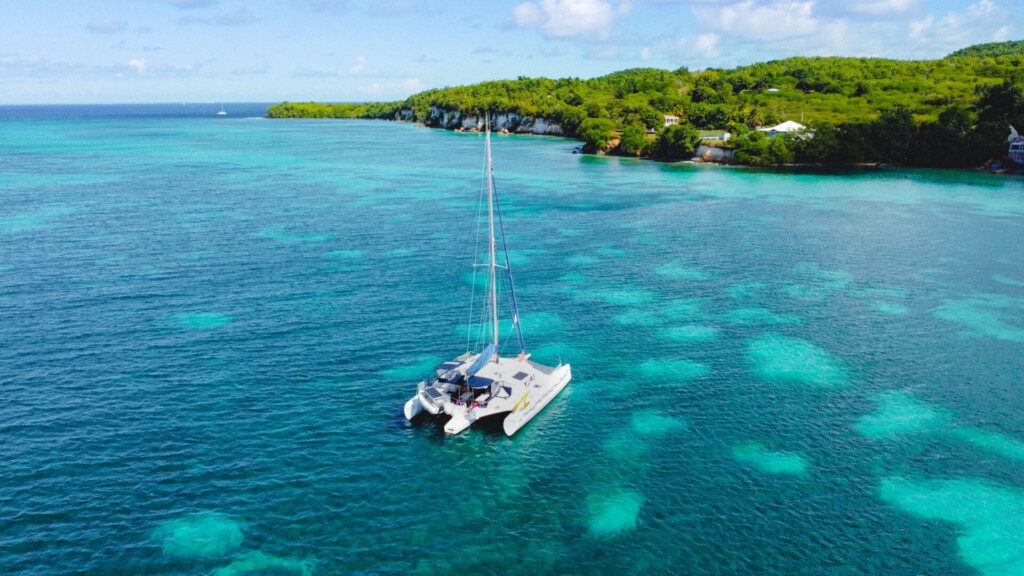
<point>485,356</point>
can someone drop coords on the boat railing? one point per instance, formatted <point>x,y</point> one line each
<point>421,386</point>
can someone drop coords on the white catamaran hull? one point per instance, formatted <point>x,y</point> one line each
<point>518,418</point>
<point>413,407</point>
<point>517,390</point>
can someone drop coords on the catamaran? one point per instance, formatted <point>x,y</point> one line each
<point>485,385</point>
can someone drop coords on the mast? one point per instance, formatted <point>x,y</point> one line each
<point>491,244</point>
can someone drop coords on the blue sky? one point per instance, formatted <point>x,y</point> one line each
<point>353,50</point>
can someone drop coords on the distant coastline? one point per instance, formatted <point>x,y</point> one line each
<point>954,112</point>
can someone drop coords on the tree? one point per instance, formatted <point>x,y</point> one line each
<point>823,148</point>
<point>778,151</point>
<point>894,134</point>
<point>597,133</point>
<point>1003,103</point>
<point>676,142</point>
<point>634,139</point>
<point>572,117</point>
<point>751,148</point>
<point>595,110</point>
<point>757,149</point>
<point>707,116</point>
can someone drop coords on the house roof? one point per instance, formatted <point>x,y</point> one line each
<point>787,126</point>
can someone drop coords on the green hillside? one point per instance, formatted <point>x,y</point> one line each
<point>990,50</point>
<point>948,112</point>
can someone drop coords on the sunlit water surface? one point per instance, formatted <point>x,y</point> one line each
<point>210,326</point>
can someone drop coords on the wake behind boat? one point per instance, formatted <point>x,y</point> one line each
<point>482,385</point>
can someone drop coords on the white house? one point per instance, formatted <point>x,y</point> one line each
<point>671,120</point>
<point>787,127</point>
<point>724,136</point>
<point>772,90</point>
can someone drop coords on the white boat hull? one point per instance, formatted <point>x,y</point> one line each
<point>413,407</point>
<point>517,390</point>
<point>519,417</point>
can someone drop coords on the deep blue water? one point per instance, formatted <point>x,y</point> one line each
<point>210,326</point>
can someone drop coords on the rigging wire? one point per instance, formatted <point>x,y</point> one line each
<point>511,288</point>
<point>476,255</point>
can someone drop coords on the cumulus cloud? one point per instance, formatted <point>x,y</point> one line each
<point>882,6</point>
<point>707,45</point>
<point>137,64</point>
<point>36,66</point>
<point>392,87</point>
<point>760,29</point>
<point>106,26</point>
<point>359,65</point>
<point>867,9</point>
<point>982,21</point>
<point>756,20</point>
<point>568,18</point>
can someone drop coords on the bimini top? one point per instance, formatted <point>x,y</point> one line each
<point>479,382</point>
<point>482,360</point>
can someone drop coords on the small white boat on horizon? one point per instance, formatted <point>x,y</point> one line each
<point>222,112</point>
<point>485,385</point>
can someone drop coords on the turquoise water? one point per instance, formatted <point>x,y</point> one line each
<point>210,326</point>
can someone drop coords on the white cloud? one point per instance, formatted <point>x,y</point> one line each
<point>359,66</point>
<point>755,20</point>
<point>881,7</point>
<point>568,18</point>
<point>763,29</point>
<point>137,64</point>
<point>392,88</point>
<point>645,53</point>
<point>526,15</point>
<point>983,21</point>
<point>601,52</point>
<point>707,45</point>
<point>106,26</point>
<point>866,8</point>
<point>919,27</point>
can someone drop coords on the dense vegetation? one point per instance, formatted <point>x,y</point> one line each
<point>948,112</point>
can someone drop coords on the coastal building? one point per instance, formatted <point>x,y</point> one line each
<point>787,127</point>
<point>1016,142</point>
<point>772,90</point>
<point>723,136</point>
<point>671,120</point>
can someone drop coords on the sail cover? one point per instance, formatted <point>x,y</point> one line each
<point>486,355</point>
